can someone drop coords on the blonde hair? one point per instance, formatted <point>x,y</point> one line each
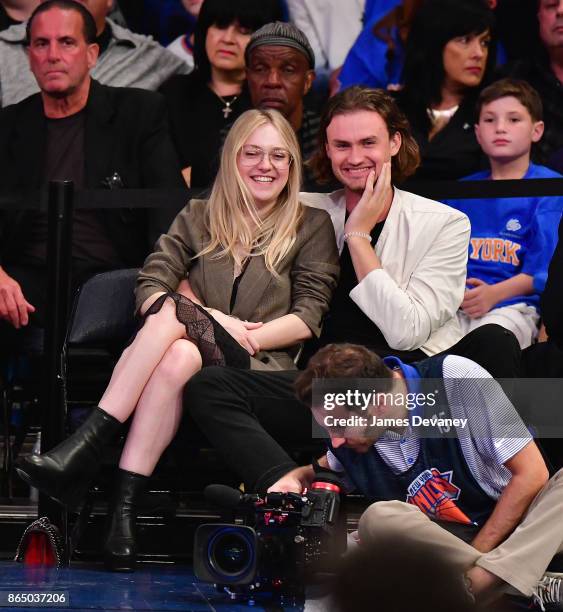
<point>232,218</point>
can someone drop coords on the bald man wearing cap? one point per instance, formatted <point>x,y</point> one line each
<point>280,73</point>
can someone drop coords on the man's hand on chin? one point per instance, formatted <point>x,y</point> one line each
<point>373,203</point>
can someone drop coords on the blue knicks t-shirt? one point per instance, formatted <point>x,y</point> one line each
<point>506,236</point>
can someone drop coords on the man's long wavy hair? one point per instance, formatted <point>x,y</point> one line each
<point>236,226</point>
<point>360,98</point>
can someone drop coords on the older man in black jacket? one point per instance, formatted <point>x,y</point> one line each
<point>76,129</point>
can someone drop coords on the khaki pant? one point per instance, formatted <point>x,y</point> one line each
<point>520,560</point>
<point>520,319</point>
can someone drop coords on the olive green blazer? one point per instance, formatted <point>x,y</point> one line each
<point>307,276</point>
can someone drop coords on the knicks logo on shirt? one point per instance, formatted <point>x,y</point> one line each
<point>434,493</point>
<point>495,249</point>
<point>513,225</point>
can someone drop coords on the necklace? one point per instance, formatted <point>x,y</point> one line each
<point>227,110</point>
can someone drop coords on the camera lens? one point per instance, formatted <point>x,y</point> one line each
<point>230,553</point>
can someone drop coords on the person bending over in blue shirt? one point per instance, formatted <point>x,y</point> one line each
<point>484,477</point>
<point>512,239</point>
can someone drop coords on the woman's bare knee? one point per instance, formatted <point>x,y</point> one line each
<point>164,322</point>
<point>181,361</point>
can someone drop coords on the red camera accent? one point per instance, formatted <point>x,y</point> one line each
<point>327,486</point>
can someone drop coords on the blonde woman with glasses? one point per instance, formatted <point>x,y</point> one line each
<point>241,280</point>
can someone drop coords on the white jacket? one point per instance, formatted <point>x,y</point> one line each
<point>331,26</point>
<point>423,249</point>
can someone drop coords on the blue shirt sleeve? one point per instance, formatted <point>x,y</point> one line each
<point>365,62</point>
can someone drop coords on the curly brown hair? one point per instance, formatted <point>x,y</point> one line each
<point>359,98</point>
<point>341,361</point>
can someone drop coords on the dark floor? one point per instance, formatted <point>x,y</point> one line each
<point>90,587</point>
<point>155,588</point>
<point>168,525</point>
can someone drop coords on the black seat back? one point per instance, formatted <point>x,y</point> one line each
<point>103,311</point>
<point>101,323</point>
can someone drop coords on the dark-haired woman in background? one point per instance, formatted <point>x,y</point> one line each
<point>448,59</point>
<point>203,105</point>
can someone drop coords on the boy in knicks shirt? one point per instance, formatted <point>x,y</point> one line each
<point>510,247</point>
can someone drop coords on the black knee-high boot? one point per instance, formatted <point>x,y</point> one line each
<point>120,549</point>
<point>64,473</point>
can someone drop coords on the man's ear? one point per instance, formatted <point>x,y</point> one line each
<point>92,54</point>
<point>395,143</point>
<point>309,78</point>
<point>537,131</point>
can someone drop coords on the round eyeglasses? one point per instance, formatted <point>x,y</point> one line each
<point>252,156</point>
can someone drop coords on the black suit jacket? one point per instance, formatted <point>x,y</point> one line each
<point>126,132</point>
<point>454,151</point>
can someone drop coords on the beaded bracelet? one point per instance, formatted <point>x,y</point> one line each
<point>359,234</point>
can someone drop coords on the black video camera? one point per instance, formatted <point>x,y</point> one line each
<point>285,541</point>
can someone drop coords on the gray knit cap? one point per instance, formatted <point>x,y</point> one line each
<point>284,35</point>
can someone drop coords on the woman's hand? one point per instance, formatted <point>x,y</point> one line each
<point>375,198</point>
<point>239,330</point>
